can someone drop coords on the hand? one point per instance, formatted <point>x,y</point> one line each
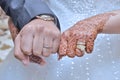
<point>38,38</point>
<point>81,36</point>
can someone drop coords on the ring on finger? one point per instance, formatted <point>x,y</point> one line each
<point>81,46</point>
<point>47,47</point>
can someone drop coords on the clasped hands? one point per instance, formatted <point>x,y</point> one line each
<point>38,39</point>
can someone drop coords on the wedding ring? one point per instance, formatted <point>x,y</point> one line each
<point>81,46</point>
<point>80,43</point>
<point>47,47</point>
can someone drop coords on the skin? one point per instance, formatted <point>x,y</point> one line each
<point>31,42</point>
<point>85,32</point>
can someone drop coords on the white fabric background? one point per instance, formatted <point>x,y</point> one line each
<point>102,64</point>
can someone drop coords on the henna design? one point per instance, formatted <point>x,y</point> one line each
<point>83,31</point>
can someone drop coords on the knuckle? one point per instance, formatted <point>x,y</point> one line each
<point>25,51</point>
<point>80,55</point>
<point>39,28</point>
<point>54,50</point>
<point>37,53</point>
<point>26,30</point>
<point>71,55</point>
<point>46,55</point>
<point>16,55</point>
<point>47,30</point>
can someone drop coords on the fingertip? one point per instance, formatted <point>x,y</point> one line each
<point>71,56</point>
<point>25,62</point>
<point>36,59</point>
<point>60,57</point>
<point>70,53</point>
<point>89,47</point>
<point>26,51</point>
<point>36,53</point>
<point>46,54</point>
<point>62,53</point>
<point>79,53</point>
<point>42,63</point>
<point>63,49</point>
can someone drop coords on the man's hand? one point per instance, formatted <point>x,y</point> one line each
<point>38,37</point>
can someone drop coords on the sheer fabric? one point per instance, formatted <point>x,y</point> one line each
<point>102,64</point>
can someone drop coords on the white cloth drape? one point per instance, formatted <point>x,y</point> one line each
<point>102,64</point>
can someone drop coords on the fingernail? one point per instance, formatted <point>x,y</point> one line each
<point>60,57</point>
<point>42,63</point>
<point>25,62</point>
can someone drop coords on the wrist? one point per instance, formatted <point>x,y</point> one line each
<point>99,21</point>
<point>48,18</point>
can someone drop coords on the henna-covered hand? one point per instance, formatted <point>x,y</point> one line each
<point>80,37</point>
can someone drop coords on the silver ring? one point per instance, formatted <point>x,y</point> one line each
<point>80,43</point>
<point>81,46</point>
<point>47,47</point>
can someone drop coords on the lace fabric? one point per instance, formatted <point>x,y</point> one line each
<point>102,64</point>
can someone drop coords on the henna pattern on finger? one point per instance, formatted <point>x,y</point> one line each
<point>85,31</point>
<point>36,59</point>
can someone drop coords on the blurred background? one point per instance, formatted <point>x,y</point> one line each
<point>102,64</point>
<point>6,44</point>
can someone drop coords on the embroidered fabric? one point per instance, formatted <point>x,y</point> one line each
<point>102,64</point>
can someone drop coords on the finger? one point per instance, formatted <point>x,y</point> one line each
<point>62,47</point>
<point>47,46</point>
<point>79,53</point>
<point>26,44</point>
<point>90,42</point>
<point>36,59</point>
<point>18,53</point>
<point>46,52</point>
<point>71,47</point>
<point>38,44</point>
<point>56,43</point>
<point>80,47</point>
<point>89,46</point>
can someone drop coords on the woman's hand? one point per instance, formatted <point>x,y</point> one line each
<point>36,39</point>
<point>80,37</point>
